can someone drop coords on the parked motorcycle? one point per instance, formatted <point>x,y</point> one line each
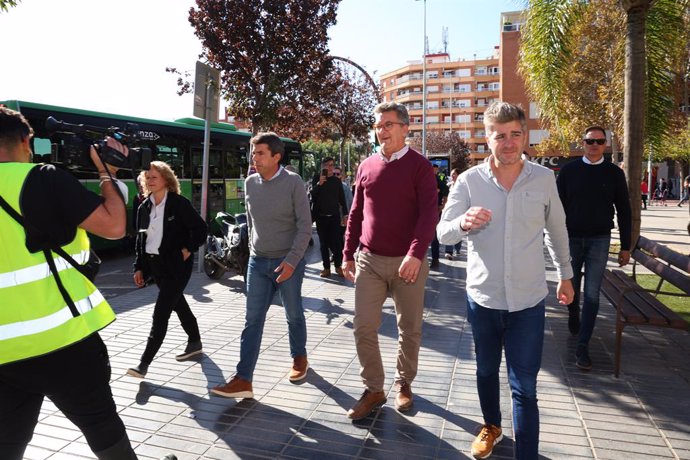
<point>227,246</point>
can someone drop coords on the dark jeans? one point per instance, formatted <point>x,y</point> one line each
<point>170,298</point>
<point>593,253</point>
<point>76,379</point>
<point>331,238</point>
<point>435,246</point>
<point>451,247</point>
<point>261,287</point>
<point>521,333</point>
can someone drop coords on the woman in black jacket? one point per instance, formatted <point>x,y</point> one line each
<point>169,230</point>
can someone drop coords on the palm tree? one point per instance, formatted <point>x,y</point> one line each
<point>651,49</point>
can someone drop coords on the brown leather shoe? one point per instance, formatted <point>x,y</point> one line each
<point>235,388</point>
<point>403,400</point>
<point>300,366</point>
<point>325,273</point>
<point>369,401</point>
<point>339,272</point>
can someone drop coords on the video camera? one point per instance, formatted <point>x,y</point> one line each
<point>76,140</point>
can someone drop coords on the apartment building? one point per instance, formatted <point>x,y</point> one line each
<point>458,91</point>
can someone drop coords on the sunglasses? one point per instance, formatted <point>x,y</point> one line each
<point>595,141</point>
<point>336,174</point>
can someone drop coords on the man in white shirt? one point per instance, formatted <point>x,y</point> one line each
<point>508,208</point>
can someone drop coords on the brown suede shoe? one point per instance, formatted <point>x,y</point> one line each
<point>235,388</point>
<point>369,401</point>
<point>403,400</point>
<point>300,366</point>
<point>325,273</point>
<point>339,272</point>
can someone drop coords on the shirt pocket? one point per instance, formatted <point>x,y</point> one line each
<point>533,204</point>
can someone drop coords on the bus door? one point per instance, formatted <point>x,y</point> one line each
<point>216,182</point>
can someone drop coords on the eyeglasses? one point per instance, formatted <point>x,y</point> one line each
<point>336,174</point>
<point>595,141</point>
<point>387,125</point>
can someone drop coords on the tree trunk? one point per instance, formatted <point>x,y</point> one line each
<point>635,103</point>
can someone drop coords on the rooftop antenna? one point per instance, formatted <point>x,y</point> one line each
<point>445,39</point>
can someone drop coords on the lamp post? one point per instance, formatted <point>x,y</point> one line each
<point>424,86</point>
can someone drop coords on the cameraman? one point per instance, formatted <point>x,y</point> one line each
<point>47,348</point>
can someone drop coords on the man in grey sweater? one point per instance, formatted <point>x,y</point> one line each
<point>279,224</point>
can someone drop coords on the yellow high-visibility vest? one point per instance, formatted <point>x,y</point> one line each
<point>34,317</point>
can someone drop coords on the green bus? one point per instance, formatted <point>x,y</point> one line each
<point>179,143</point>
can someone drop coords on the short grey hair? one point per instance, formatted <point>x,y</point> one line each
<point>504,112</point>
<point>401,110</point>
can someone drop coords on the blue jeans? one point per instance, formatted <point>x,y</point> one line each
<point>261,286</point>
<point>593,253</point>
<point>522,335</point>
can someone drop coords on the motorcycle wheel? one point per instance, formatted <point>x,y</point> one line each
<point>212,269</point>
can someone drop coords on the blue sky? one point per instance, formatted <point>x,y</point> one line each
<point>111,56</point>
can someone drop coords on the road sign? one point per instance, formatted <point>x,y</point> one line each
<point>206,78</point>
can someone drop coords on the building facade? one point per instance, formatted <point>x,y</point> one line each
<point>458,91</point>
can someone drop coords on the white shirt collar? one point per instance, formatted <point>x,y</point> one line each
<point>587,160</point>
<point>396,156</point>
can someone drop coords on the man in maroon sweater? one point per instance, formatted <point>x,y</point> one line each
<point>391,223</point>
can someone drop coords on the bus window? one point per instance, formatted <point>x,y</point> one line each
<point>171,156</point>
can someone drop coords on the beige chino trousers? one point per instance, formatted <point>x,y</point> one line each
<point>377,278</point>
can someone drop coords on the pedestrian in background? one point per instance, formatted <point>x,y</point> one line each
<point>169,231</point>
<point>509,208</point>
<point>442,190</point>
<point>591,190</point>
<point>453,249</point>
<point>391,223</point>
<point>328,201</point>
<point>644,190</point>
<point>686,191</point>
<point>279,227</point>
<point>347,191</point>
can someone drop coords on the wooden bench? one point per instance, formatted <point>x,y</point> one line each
<point>638,306</point>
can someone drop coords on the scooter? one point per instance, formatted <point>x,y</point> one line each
<point>227,246</point>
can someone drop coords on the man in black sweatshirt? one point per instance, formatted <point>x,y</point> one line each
<point>590,189</point>
<point>328,204</point>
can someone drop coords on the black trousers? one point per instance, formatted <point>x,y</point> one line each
<point>170,298</point>
<point>76,379</point>
<point>331,238</point>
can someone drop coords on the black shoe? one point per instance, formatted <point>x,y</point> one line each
<point>193,349</point>
<point>139,371</point>
<point>582,359</point>
<point>574,319</point>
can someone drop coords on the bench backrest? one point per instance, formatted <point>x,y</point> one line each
<point>663,262</point>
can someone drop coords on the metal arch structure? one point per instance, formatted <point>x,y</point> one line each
<point>371,81</point>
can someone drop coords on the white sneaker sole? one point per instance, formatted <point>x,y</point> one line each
<point>136,374</point>
<point>498,439</point>
<point>301,377</point>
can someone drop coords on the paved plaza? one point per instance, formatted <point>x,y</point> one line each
<point>584,415</point>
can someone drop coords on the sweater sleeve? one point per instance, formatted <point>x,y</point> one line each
<point>623,211</point>
<point>303,222</point>
<point>354,221</point>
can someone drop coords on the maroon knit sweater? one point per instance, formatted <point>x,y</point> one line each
<point>395,208</point>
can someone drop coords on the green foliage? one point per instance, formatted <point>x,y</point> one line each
<point>6,4</point>
<point>273,54</point>
<point>316,150</point>
<point>573,61</point>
